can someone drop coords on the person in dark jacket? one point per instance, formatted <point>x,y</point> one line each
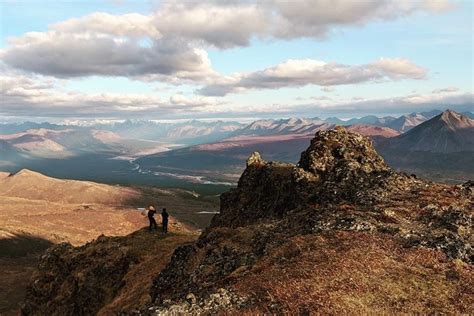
<point>164,220</point>
<point>151,217</point>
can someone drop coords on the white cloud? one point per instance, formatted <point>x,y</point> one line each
<point>316,18</point>
<point>328,89</point>
<point>301,72</point>
<point>132,24</point>
<point>72,55</point>
<point>399,104</point>
<point>168,44</point>
<point>220,25</point>
<point>227,24</point>
<point>39,96</point>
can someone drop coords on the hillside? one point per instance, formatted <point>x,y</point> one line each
<point>341,232</point>
<point>441,148</point>
<point>406,122</point>
<point>74,211</point>
<point>445,133</point>
<point>32,185</point>
<point>107,276</point>
<point>37,212</point>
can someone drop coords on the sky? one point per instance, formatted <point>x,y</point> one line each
<point>115,59</point>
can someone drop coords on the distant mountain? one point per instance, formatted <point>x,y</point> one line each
<point>189,132</point>
<point>444,133</point>
<point>13,128</point>
<point>283,126</point>
<point>406,122</point>
<point>49,143</point>
<point>9,155</point>
<point>400,124</point>
<point>431,114</point>
<point>365,120</point>
<point>335,120</point>
<point>441,148</point>
<point>371,130</point>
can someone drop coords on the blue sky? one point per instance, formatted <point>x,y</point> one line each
<point>241,78</point>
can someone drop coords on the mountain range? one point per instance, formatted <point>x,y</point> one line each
<point>440,148</point>
<point>195,131</point>
<point>428,143</point>
<point>445,133</point>
<point>338,232</point>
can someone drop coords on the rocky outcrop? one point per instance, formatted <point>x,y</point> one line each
<point>339,185</point>
<point>108,276</point>
<point>78,281</point>
<point>338,166</point>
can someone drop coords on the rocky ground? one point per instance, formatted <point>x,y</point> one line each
<point>340,232</point>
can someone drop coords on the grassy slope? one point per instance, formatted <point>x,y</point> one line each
<point>358,273</point>
<point>153,251</point>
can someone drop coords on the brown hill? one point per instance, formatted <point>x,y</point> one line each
<point>36,186</point>
<point>37,211</point>
<point>339,233</point>
<point>372,130</point>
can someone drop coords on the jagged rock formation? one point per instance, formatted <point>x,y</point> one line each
<point>338,233</point>
<point>341,205</point>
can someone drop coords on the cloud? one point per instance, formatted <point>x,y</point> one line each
<point>412,102</point>
<point>374,106</point>
<point>132,24</point>
<point>217,24</point>
<point>446,90</point>
<point>169,44</point>
<point>316,18</point>
<point>73,55</point>
<point>39,96</point>
<point>301,72</point>
<point>227,24</point>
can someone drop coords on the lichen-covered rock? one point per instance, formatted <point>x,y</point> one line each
<point>214,303</point>
<point>337,153</point>
<point>109,276</point>
<point>73,281</point>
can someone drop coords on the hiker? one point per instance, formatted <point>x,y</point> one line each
<point>164,220</point>
<point>151,217</point>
